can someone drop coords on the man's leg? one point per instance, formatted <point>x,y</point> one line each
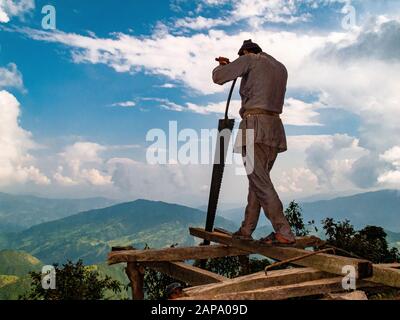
<point>252,214</point>
<point>260,182</point>
<point>253,208</point>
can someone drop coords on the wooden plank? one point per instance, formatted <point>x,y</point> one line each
<point>259,281</point>
<point>175,254</point>
<point>304,289</point>
<point>385,275</point>
<point>184,272</point>
<point>389,265</point>
<point>324,262</point>
<point>355,295</point>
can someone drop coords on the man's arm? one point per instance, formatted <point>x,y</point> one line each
<point>229,72</point>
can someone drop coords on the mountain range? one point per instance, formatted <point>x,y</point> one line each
<point>90,235</point>
<point>380,208</point>
<point>19,212</point>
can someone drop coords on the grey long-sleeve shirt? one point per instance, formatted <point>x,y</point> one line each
<point>263,86</point>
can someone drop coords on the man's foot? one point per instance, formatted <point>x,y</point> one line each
<point>277,239</point>
<point>238,235</point>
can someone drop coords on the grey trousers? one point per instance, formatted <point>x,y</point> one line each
<point>262,193</point>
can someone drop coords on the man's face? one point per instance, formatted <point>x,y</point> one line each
<point>246,52</point>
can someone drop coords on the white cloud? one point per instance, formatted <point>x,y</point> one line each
<point>10,77</point>
<point>300,113</point>
<point>125,104</point>
<point>16,164</point>
<point>391,177</point>
<point>200,23</point>
<point>188,59</point>
<point>13,8</point>
<point>297,180</point>
<point>392,156</point>
<point>81,163</point>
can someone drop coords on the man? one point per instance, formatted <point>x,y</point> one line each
<point>262,90</point>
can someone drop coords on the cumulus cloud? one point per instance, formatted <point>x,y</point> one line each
<point>323,160</point>
<point>14,8</point>
<point>10,77</point>
<point>17,165</point>
<point>392,175</point>
<point>81,163</point>
<point>181,183</point>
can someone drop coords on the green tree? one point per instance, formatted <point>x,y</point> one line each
<point>369,243</point>
<point>74,281</point>
<point>294,215</point>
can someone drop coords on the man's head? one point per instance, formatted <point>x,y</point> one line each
<point>174,291</point>
<point>249,47</point>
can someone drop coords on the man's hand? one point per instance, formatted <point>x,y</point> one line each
<point>222,61</point>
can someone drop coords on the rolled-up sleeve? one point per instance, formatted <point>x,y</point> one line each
<point>232,71</point>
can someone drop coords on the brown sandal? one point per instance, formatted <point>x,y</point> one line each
<point>276,239</point>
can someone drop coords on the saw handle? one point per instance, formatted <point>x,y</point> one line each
<point>229,100</point>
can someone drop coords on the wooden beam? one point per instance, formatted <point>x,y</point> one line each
<point>389,265</point>
<point>355,295</point>
<point>259,281</point>
<point>324,262</point>
<point>175,254</point>
<point>135,273</point>
<point>304,289</point>
<point>184,272</point>
<point>385,275</point>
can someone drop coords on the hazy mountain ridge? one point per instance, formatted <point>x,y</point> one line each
<point>90,235</point>
<point>19,212</point>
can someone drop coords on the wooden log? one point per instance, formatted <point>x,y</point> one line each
<point>385,275</point>
<point>304,289</point>
<point>389,265</point>
<point>324,262</point>
<point>184,272</point>
<point>175,254</point>
<point>355,295</point>
<point>135,273</point>
<point>259,281</point>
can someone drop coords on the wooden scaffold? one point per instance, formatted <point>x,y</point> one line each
<point>317,272</point>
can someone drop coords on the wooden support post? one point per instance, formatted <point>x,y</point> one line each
<point>135,273</point>
<point>324,262</point>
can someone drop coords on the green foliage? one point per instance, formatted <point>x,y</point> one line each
<point>369,243</point>
<point>155,284</point>
<point>294,216</point>
<point>74,281</point>
<point>18,263</point>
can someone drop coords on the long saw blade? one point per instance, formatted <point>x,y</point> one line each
<point>225,128</point>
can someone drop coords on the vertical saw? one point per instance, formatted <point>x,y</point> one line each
<point>225,128</point>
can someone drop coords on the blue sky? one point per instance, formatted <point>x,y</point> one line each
<point>71,136</point>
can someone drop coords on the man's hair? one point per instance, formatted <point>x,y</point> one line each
<point>254,50</point>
